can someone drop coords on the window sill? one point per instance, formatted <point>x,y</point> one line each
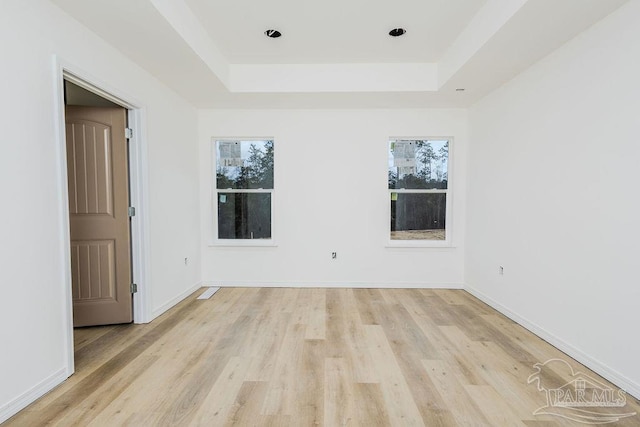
<point>419,244</point>
<point>244,243</point>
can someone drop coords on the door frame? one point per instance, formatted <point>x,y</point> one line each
<point>138,191</point>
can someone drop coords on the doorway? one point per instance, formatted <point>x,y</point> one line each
<point>138,185</point>
<point>102,92</point>
<point>99,216</point>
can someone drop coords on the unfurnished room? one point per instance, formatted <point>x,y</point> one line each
<point>340,213</point>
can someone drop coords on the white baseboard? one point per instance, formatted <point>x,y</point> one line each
<point>359,285</point>
<point>166,306</point>
<point>600,368</point>
<point>16,405</point>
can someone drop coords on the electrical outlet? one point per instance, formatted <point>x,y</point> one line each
<point>501,270</point>
<point>334,255</point>
<point>186,261</point>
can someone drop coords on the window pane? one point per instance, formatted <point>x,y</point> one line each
<point>418,216</point>
<point>244,164</point>
<point>244,215</point>
<point>418,164</point>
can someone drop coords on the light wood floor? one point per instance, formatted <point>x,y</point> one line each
<point>305,357</point>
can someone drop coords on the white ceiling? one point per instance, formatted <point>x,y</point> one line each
<point>334,31</point>
<point>336,53</point>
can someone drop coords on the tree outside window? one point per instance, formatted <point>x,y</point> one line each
<point>244,188</point>
<point>418,178</point>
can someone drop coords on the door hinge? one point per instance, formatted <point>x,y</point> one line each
<point>134,288</point>
<point>132,211</point>
<point>128,133</point>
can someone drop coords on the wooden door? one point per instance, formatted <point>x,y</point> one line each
<point>99,215</point>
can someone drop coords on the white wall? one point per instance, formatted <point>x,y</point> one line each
<point>331,195</point>
<point>32,270</point>
<point>553,177</point>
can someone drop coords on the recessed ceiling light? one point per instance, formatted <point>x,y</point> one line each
<point>274,34</point>
<point>397,32</point>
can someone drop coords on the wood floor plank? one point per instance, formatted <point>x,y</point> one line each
<point>265,347</point>
<point>311,357</point>
<point>402,329</point>
<point>302,307</point>
<point>248,404</point>
<point>84,336</point>
<point>339,393</point>
<point>357,349</point>
<point>188,399</point>
<point>437,309</point>
<point>274,421</point>
<point>370,408</point>
<point>453,392</point>
<point>365,303</point>
<point>181,352</point>
<point>410,346</point>
<point>345,335</point>
<point>218,403</point>
<point>399,401</point>
<point>87,410</point>
<point>317,316</point>
<point>494,407</point>
<point>500,372</point>
<point>461,297</point>
<point>170,374</point>
<point>463,367</point>
<point>280,399</point>
<point>310,384</point>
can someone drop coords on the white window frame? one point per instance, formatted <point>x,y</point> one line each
<point>216,191</point>
<point>447,242</point>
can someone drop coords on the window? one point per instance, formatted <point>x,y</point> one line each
<point>418,189</point>
<point>244,189</point>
